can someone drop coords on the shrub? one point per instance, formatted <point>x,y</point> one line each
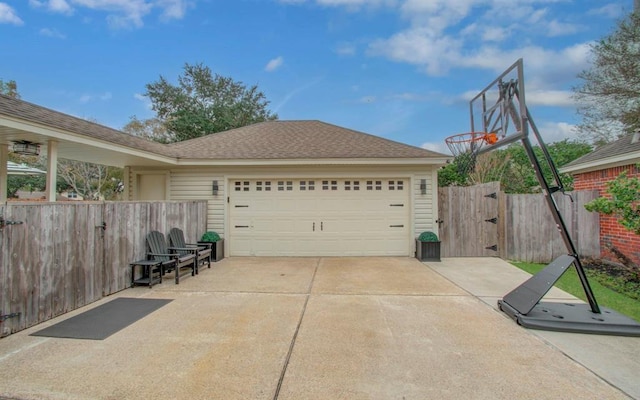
<point>210,237</point>
<point>428,236</point>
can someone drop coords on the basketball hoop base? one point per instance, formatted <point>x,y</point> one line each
<point>575,318</point>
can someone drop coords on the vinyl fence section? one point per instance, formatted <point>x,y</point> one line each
<point>524,228</point>
<point>63,256</point>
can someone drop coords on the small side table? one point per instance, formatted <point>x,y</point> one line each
<point>151,272</point>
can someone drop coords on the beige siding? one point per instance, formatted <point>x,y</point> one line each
<point>191,184</point>
<point>425,206</point>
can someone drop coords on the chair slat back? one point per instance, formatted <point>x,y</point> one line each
<point>176,239</point>
<point>157,243</point>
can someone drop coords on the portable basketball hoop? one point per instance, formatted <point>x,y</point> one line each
<point>499,117</point>
<point>465,148</point>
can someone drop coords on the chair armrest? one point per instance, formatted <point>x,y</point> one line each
<point>172,255</point>
<point>206,244</point>
<point>198,246</point>
<point>189,249</point>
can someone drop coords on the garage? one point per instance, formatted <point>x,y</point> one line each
<point>319,217</point>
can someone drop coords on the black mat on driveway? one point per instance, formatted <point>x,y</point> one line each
<point>103,321</point>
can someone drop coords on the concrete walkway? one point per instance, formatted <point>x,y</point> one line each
<point>321,328</point>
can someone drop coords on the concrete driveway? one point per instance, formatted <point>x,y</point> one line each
<point>303,328</point>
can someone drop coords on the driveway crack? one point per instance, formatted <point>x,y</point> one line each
<point>295,334</point>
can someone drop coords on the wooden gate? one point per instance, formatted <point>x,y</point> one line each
<point>469,220</point>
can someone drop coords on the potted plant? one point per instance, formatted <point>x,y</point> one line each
<point>428,247</point>
<point>216,243</point>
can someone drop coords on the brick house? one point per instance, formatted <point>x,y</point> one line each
<point>593,171</point>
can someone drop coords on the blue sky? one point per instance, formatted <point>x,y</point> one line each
<point>400,69</point>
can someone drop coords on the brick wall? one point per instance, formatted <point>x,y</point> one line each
<point>611,232</point>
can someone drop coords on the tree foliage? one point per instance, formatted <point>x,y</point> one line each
<point>609,96</point>
<point>623,202</point>
<point>203,103</point>
<point>512,168</point>
<point>152,129</point>
<point>9,88</point>
<point>91,181</point>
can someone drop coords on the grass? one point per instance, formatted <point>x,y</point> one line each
<point>624,303</point>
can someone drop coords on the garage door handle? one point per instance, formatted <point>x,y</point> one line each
<point>242,226</point>
<point>314,226</point>
<point>396,226</point>
<point>396,205</point>
<point>241,206</point>
<point>321,226</point>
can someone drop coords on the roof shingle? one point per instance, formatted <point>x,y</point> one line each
<point>272,140</point>
<point>296,140</point>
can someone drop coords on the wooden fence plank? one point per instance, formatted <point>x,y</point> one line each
<point>60,258</point>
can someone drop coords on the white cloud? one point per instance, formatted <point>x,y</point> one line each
<point>86,98</point>
<point>55,6</point>
<point>439,147</point>
<point>610,10</point>
<point>54,33</point>
<point>346,49</point>
<point>144,99</point>
<point>557,28</point>
<point>274,64</point>
<point>553,98</point>
<point>9,16</point>
<point>121,14</point>
<point>557,131</point>
<point>173,9</point>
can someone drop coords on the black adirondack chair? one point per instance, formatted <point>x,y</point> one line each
<point>203,252</point>
<point>171,259</point>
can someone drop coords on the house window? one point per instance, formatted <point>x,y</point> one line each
<point>378,185</point>
<point>369,185</point>
<point>312,185</point>
<point>259,186</point>
<point>267,186</point>
<point>356,185</point>
<point>303,185</point>
<point>347,185</point>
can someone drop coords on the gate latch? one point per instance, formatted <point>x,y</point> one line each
<point>7,316</point>
<point>5,222</point>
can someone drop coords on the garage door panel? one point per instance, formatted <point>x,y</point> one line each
<point>338,217</point>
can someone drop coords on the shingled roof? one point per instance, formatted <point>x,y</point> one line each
<point>624,150</point>
<point>16,108</point>
<point>273,140</point>
<point>296,140</point>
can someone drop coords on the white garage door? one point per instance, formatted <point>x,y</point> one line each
<point>319,217</point>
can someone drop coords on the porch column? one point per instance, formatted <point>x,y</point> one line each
<point>4,150</point>
<point>52,169</point>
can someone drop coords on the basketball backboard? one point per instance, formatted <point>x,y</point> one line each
<point>500,108</point>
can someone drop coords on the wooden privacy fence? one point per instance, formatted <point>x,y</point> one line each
<point>482,221</point>
<point>63,256</point>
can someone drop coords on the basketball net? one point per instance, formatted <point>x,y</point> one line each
<point>465,148</point>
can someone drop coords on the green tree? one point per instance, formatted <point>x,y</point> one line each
<point>152,129</point>
<point>91,181</point>
<point>203,103</point>
<point>511,166</point>
<point>9,88</point>
<point>609,96</point>
<point>623,202</point>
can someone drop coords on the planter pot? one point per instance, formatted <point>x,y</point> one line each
<point>427,251</point>
<point>217,250</point>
